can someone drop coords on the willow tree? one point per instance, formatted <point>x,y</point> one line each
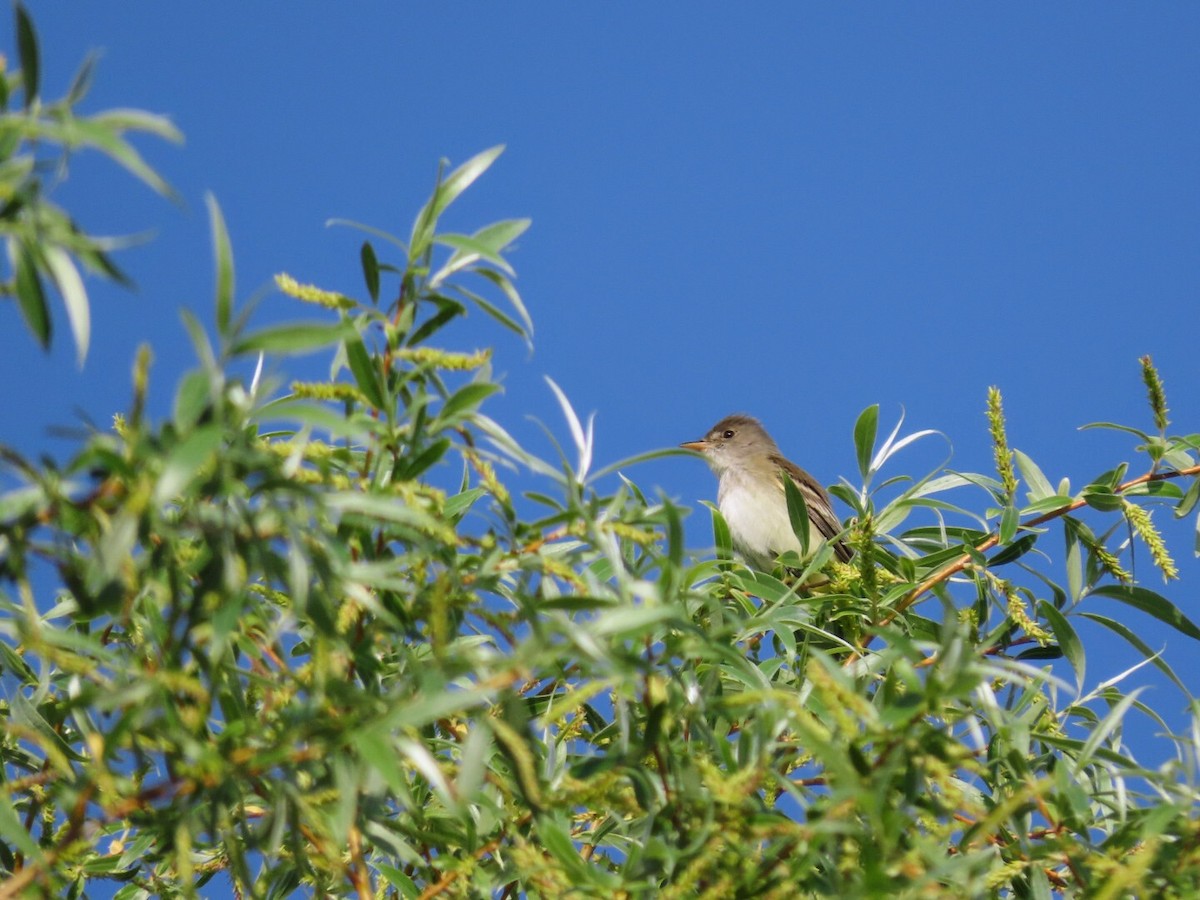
<point>302,636</point>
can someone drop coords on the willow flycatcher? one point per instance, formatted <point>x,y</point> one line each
<point>750,493</point>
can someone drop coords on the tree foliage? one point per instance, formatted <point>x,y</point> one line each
<point>305,637</point>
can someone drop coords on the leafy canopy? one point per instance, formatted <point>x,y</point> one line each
<point>305,637</point>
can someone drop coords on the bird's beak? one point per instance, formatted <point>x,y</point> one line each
<point>698,446</point>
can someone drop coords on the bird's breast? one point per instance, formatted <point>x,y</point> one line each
<point>757,517</point>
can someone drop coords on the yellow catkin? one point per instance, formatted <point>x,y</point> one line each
<point>1140,521</point>
<point>443,359</point>
<point>1004,456</point>
<point>309,293</point>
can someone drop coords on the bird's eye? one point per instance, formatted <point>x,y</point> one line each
<point>728,434</point>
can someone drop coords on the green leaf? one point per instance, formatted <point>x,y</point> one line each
<point>70,285</point>
<point>1149,602</point>
<point>99,134</point>
<point>499,235</point>
<point>1189,499</point>
<point>82,82</point>
<point>722,539</point>
<point>462,178</point>
<point>413,466</point>
<point>27,51</point>
<point>466,398</point>
<point>1141,646</point>
<point>13,830</point>
<point>1067,639</point>
<point>1010,520</point>
<point>362,366</point>
<point>1103,499</point>
<point>500,280</point>
<point>401,882</point>
<point>460,503</point>
<point>293,337</point>
<point>444,194</point>
<point>1112,721</point>
<point>797,510</point>
<point>466,251</point>
<point>370,267</point>
<point>192,398</point>
<point>223,256</point>
<point>185,461</point>
<point>1115,427</point>
<point>489,308</point>
<point>630,621</point>
<point>30,296</point>
<point>1074,561</point>
<point>1035,480</point>
<point>379,233</point>
<point>864,437</point>
<point>123,119</point>
<point>1013,551</point>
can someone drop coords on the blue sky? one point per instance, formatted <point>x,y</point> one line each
<point>790,210</point>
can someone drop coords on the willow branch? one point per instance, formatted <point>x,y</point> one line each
<point>957,565</point>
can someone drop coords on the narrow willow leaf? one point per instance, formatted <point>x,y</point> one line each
<point>864,437</point>
<point>499,235</point>
<point>630,621</point>
<point>583,440</point>
<point>192,398</point>
<point>510,292</point>
<point>447,311</point>
<point>1189,499</point>
<point>13,830</point>
<point>1067,639</point>
<point>462,178</point>
<point>123,119</point>
<point>185,461</point>
<point>466,251</point>
<point>1103,499</point>
<point>447,190</point>
<point>1035,480</point>
<point>82,82</point>
<point>377,232</point>
<point>400,881</point>
<point>223,259</point>
<point>1074,563</point>
<point>378,750</point>
<point>1141,646</point>
<point>675,539</point>
<point>102,136</point>
<point>362,367</point>
<point>70,285</point>
<point>414,466</point>
<point>721,537</point>
<point>1010,520</point>
<point>460,503</point>
<point>1149,602</point>
<point>1111,722</point>
<point>30,296</point>
<point>797,510</point>
<point>499,316</point>
<point>293,337</point>
<point>370,267</point>
<point>466,399</point>
<point>27,51</point>
<point>1013,551</point>
<point>1115,427</point>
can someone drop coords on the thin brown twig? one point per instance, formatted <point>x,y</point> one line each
<point>487,849</point>
<point>957,565</point>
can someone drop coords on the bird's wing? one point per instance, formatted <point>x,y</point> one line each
<point>820,507</point>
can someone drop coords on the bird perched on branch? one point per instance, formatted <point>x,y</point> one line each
<point>752,498</point>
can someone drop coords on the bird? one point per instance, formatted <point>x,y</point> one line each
<point>750,494</point>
